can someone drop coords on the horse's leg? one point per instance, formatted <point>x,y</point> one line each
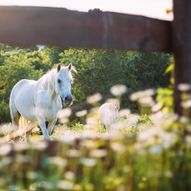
<point>42,124</point>
<point>51,126</point>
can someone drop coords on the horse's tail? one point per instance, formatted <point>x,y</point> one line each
<point>23,123</point>
<point>15,115</point>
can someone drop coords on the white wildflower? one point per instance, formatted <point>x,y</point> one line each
<point>81,113</point>
<point>64,113</point>
<point>94,98</point>
<point>118,90</point>
<point>184,87</point>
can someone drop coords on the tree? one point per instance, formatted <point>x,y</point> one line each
<point>16,66</point>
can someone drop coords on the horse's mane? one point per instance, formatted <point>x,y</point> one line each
<point>47,80</point>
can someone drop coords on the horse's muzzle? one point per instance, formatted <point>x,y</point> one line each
<point>68,100</point>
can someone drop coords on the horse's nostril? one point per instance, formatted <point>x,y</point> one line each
<point>68,99</point>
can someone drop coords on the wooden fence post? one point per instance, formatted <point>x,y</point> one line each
<point>181,47</point>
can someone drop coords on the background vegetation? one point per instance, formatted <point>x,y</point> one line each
<point>98,70</point>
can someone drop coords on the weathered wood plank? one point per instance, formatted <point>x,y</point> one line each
<point>182,47</point>
<point>95,29</point>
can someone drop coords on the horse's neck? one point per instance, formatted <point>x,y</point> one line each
<point>46,82</point>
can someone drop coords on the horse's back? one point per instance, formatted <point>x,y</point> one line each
<point>22,85</point>
<point>23,88</point>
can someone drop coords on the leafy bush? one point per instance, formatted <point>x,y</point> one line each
<point>16,66</point>
<point>98,70</point>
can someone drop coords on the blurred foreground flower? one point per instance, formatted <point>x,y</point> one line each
<point>6,129</point>
<point>59,161</point>
<point>98,153</point>
<point>5,149</point>
<point>69,175</point>
<point>184,87</point>
<point>90,162</point>
<point>91,121</point>
<point>68,137</point>
<point>93,99</point>
<point>146,101</point>
<point>118,90</point>
<point>156,107</point>
<point>39,145</point>
<point>64,113</point>
<point>118,147</point>
<point>65,185</point>
<point>157,135</point>
<point>140,94</point>
<point>81,113</point>
<point>20,146</point>
<point>73,153</point>
<point>124,113</point>
<point>186,104</point>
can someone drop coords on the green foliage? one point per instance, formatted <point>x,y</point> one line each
<point>165,94</point>
<point>16,66</point>
<point>165,97</point>
<point>98,70</point>
<point>4,111</point>
<point>144,119</point>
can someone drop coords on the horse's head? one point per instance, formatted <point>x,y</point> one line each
<point>64,82</point>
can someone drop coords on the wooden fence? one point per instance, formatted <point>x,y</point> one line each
<point>27,26</point>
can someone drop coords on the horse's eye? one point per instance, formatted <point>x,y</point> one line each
<point>59,81</point>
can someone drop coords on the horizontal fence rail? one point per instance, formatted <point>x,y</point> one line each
<point>27,26</point>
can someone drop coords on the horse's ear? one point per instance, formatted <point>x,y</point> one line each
<point>71,68</point>
<point>58,67</point>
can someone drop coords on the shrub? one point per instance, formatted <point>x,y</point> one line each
<point>98,70</point>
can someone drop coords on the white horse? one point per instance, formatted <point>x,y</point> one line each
<point>39,101</point>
